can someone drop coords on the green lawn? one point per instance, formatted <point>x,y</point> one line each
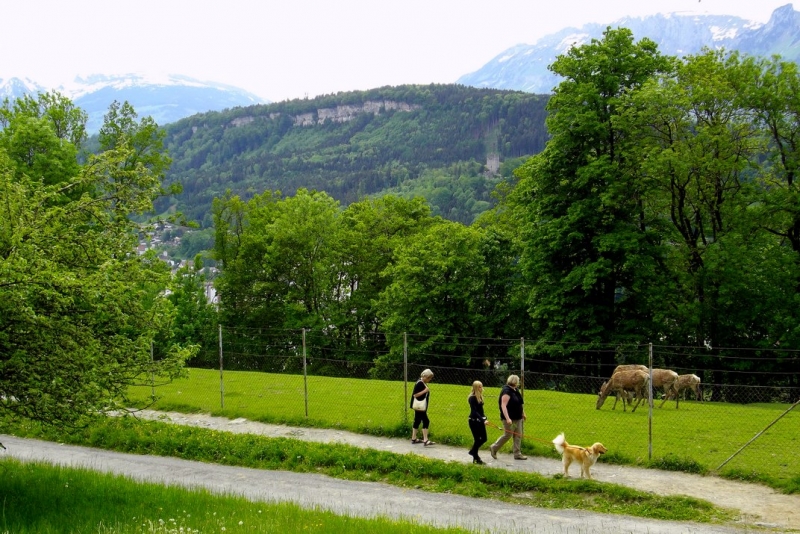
<point>43,499</point>
<point>697,437</point>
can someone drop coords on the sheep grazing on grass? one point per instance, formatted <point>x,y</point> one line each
<point>631,380</point>
<point>686,382</point>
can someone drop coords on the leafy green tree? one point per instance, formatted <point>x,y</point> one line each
<point>587,250</point>
<point>42,137</point>
<point>143,137</point>
<point>437,294</point>
<point>77,313</point>
<point>698,151</point>
<point>772,94</point>
<point>370,231</point>
<point>67,121</point>
<point>277,257</point>
<point>195,321</point>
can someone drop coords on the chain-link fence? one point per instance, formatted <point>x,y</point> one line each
<point>740,416</point>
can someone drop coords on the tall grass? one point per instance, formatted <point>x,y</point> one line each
<point>44,499</point>
<point>697,438</point>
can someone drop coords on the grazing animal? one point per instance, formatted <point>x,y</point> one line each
<point>632,380</point>
<point>666,379</point>
<point>631,367</point>
<point>687,382</point>
<point>628,396</point>
<point>586,457</point>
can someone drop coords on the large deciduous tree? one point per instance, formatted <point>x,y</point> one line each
<point>78,313</point>
<point>587,246</point>
<point>445,288</point>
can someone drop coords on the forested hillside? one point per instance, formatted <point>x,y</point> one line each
<point>433,141</point>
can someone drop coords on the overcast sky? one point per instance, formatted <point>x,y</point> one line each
<point>292,48</point>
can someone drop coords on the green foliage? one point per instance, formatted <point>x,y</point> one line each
<point>459,192</point>
<point>664,205</point>
<point>449,284</point>
<point>78,308</point>
<point>195,320</point>
<point>584,245</point>
<point>394,134</point>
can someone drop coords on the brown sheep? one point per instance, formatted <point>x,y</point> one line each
<point>630,380</point>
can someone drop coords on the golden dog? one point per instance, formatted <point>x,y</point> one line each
<point>586,457</point>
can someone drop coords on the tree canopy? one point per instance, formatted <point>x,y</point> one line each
<point>79,309</point>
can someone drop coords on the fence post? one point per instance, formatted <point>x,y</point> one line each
<point>221,383</point>
<point>650,413</point>
<point>152,373</point>
<point>405,377</point>
<point>522,365</point>
<point>305,374</point>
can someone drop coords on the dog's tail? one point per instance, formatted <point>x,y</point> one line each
<point>560,443</point>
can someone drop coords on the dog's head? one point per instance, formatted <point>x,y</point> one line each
<point>598,449</point>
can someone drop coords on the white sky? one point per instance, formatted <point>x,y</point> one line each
<point>292,48</point>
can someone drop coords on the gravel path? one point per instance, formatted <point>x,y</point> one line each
<point>762,508</point>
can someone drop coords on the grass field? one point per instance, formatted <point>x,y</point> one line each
<point>698,437</point>
<point>42,499</point>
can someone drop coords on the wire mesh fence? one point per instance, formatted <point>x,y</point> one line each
<point>737,417</point>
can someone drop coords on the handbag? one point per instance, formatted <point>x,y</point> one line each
<point>419,405</point>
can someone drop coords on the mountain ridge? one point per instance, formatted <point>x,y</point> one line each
<point>165,97</point>
<point>524,67</point>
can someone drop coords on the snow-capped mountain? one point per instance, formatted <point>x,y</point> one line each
<point>15,87</point>
<point>166,98</point>
<point>524,67</point>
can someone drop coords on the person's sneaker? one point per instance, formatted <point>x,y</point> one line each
<point>493,452</point>
<point>520,457</point>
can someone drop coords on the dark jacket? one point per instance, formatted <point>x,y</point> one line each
<point>476,409</point>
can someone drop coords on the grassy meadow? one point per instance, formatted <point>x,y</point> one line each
<point>44,499</point>
<point>697,437</point>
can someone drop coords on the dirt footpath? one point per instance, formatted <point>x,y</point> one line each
<point>760,505</point>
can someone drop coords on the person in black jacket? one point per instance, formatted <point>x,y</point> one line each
<point>421,392</point>
<point>477,421</point>
<point>512,412</point>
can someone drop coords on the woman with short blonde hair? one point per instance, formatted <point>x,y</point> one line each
<point>421,391</point>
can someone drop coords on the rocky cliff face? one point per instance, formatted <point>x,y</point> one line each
<point>341,113</point>
<point>345,113</point>
<point>525,67</point>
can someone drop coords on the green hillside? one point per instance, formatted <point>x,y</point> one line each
<point>432,140</point>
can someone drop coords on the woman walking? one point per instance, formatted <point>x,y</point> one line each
<point>477,421</point>
<point>421,392</point>
<point>512,412</point>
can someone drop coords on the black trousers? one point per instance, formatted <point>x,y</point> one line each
<point>478,429</point>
